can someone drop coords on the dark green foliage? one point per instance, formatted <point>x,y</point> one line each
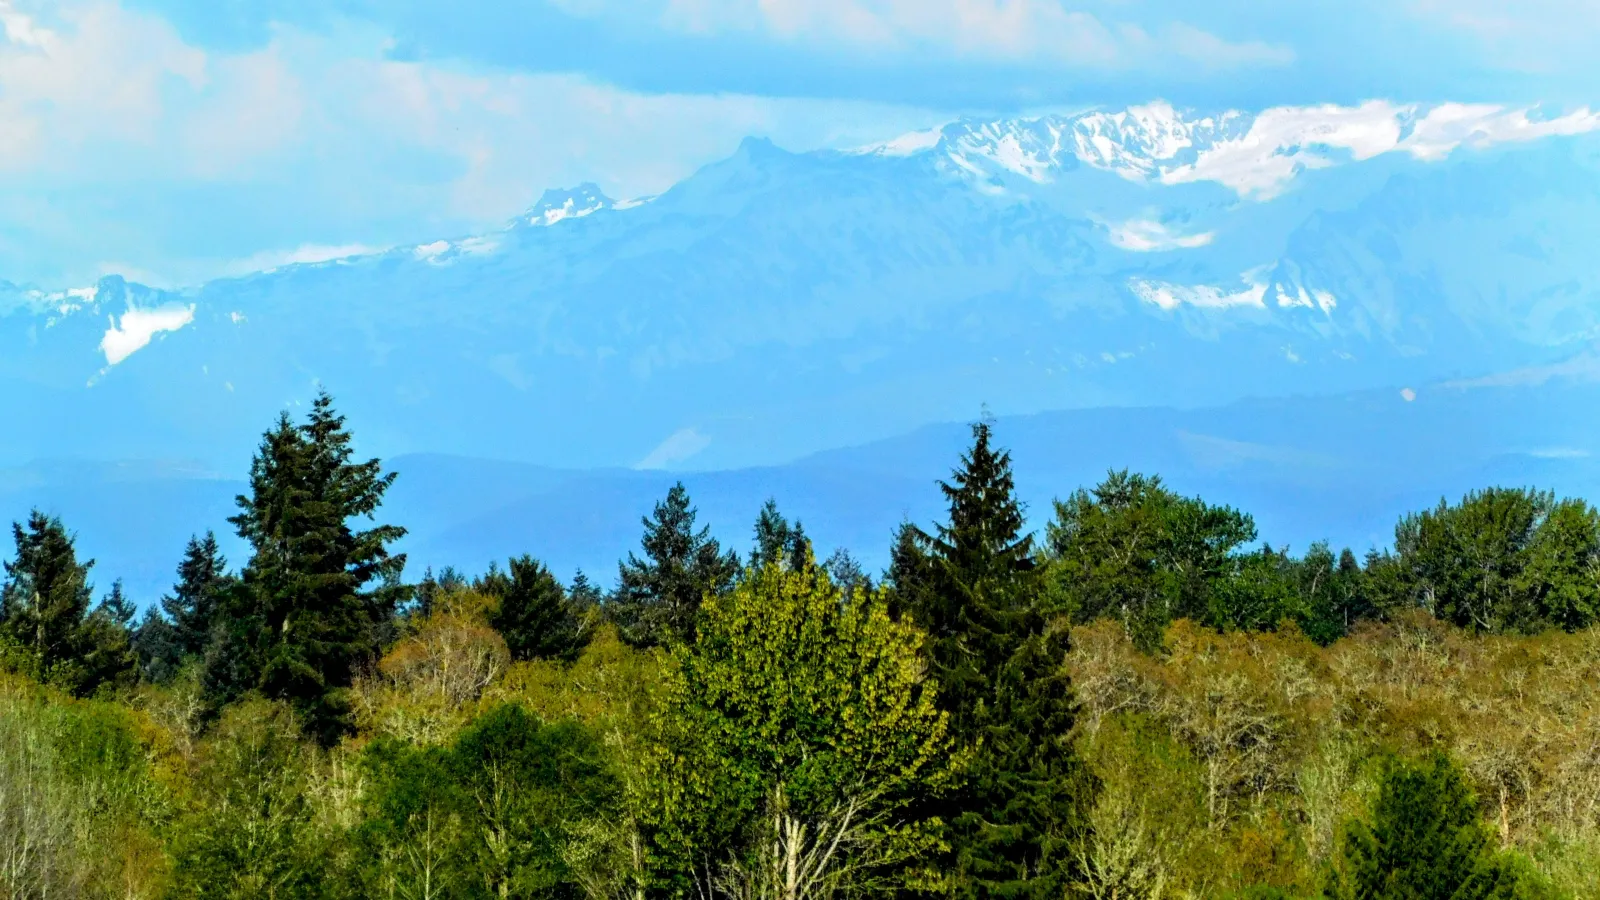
<point>184,626</point>
<point>658,598</point>
<point>534,614</point>
<point>45,614</point>
<point>316,593</point>
<point>203,584</point>
<point>1501,560</point>
<point>586,598</point>
<point>1333,594</point>
<point>778,541</point>
<point>1426,841</point>
<point>155,643</point>
<point>46,594</point>
<point>1132,549</point>
<point>490,816</point>
<point>975,588</point>
<point>108,659</point>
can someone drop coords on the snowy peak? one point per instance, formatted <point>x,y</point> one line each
<point>1255,155</point>
<point>556,205</point>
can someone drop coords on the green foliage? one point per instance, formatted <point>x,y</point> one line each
<point>252,834</point>
<point>1133,550</point>
<point>777,542</point>
<point>184,626</point>
<point>658,598</point>
<point>796,718</point>
<point>307,609</point>
<point>1501,560</point>
<point>45,617</point>
<point>491,816</point>
<point>1426,841</point>
<point>534,614</point>
<point>1000,664</point>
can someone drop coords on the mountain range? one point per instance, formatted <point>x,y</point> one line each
<point>775,306</point>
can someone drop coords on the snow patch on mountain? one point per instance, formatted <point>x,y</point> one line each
<point>1170,296</point>
<point>1256,156</point>
<point>557,205</point>
<point>135,328</point>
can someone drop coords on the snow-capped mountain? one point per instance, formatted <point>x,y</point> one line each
<point>775,303</point>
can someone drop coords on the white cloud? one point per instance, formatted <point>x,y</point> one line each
<point>682,445</point>
<point>1150,236</point>
<point>318,138</point>
<point>135,328</point>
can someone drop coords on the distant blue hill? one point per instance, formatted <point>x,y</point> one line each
<point>1337,467</point>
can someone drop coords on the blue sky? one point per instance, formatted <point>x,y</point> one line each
<point>174,140</point>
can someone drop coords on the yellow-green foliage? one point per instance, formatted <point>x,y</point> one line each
<point>1270,742</point>
<point>81,809</point>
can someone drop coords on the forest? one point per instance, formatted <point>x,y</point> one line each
<point>1137,700</point>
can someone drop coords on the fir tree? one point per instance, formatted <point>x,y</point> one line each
<point>658,598</point>
<point>106,652</point>
<point>1426,841</point>
<point>778,541</point>
<point>316,592</point>
<point>46,594</point>
<point>973,586</point>
<point>586,598</point>
<point>156,644</point>
<point>203,582</point>
<point>534,614</point>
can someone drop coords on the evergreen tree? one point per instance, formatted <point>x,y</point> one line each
<point>1001,671</point>
<point>534,615</point>
<point>46,594</point>
<point>586,598</point>
<point>316,592</point>
<point>203,582</point>
<point>658,598</point>
<point>777,540</point>
<point>156,644</point>
<point>1426,841</point>
<point>45,613</point>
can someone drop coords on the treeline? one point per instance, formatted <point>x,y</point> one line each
<point>774,726</point>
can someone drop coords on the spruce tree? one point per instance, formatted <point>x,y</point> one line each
<point>316,592</point>
<point>106,652</point>
<point>534,614</point>
<point>658,598</point>
<point>203,582</point>
<point>973,586</point>
<point>47,591</point>
<point>1426,841</point>
<point>155,642</point>
<point>778,541</point>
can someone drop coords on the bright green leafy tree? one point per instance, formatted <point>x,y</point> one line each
<point>798,732</point>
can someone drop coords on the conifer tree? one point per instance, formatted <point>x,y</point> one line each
<point>1426,841</point>
<point>658,598</point>
<point>776,540</point>
<point>203,582</point>
<point>1000,666</point>
<point>46,593</point>
<point>534,614</point>
<point>316,592</point>
<point>106,653</point>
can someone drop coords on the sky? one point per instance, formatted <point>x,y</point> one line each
<point>172,141</point>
